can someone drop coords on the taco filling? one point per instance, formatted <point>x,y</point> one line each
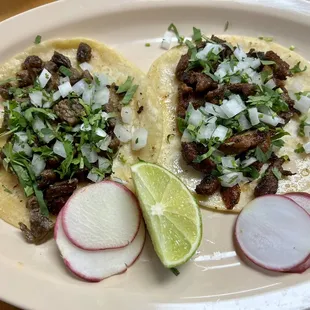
<point>64,125</point>
<point>232,107</point>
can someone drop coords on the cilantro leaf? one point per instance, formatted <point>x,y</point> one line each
<point>267,62</point>
<point>125,86</point>
<point>37,40</point>
<point>200,158</point>
<point>181,124</point>
<point>277,173</point>
<point>261,156</point>
<point>267,39</point>
<point>48,113</point>
<point>174,29</point>
<point>300,149</point>
<point>65,71</point>
<point>129,94</point>
<point>297,69</point>
<point>196,35</point>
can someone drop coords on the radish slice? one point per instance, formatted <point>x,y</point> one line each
<point>95,266</point>
<point>273,232</point>
<point>102,216</point>
<point>303,199</point>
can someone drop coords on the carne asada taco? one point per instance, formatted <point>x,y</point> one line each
<point>236,122</point>
<point>74,110</point>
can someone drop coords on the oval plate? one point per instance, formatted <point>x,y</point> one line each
<point>35,277</point>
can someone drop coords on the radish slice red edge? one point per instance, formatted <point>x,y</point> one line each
<point>273,232</point>
<point>94,266</point>
<point>101,216</point>
<point>303,199</point>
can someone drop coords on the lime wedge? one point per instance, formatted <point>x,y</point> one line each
<point>170,211</point>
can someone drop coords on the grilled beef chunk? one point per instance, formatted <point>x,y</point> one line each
<point>227,52</point>
<point>114,104</point>
<point>83,52</point>
<point>231,196</point>
<point>245,89</point>
<point>114,144</point>
<point>40,226</point>
<point>46,177</point>
<point>25,78</point>
<point>32,62</point>
<point>242,142</point>
<point>51,67</point>
<point>53,162</point>
<point>69,111</point>
<point>75,76</point>
<point>56,204</point>
<point>208,186</point>
<point>281,69</point>
<point>53,83</point>
<point>61,60</point>
<point>198,80</point>
<point>81,174</point>
<point>59,189</point>
<point>256,54</point>
<point>265,145</point>
<point>182,66</point>
<point>5,91</point>
<point>87,76</point>
<point>216,95</point>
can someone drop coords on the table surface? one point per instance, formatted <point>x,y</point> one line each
<point>10,8</point>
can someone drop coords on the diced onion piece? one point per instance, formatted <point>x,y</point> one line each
<point>88,95</point>
<point>38,124</point>
<point>235,79</point>
<point>231,179</point>
<point>195,118</point>
<point>255,62</point>
<point>104,143</point>
<point>79,87</point>
<point>240,54</point>
<point>105,116</point>
<point>101,133</point>
<point>64,79</point>
<point>48,137</point>
<point>47,105</point>
<point>86,66</point>
<point>205,132</point>
<point>68,137</point>
<point>103,79</point>
<point>65,89</point>
<point>126,114</point>
<point>85,128</point>
<point>233,106</point>
<point>122,133</point>
<point>253,115</point>
<point>303,104</point>
<point>139,139</point>
<point>215,110</point>
<point>36,98</point>
<point>102,96</point>
<point>271,120</point>
<point>210,47</point>
<point>187,137</point>
<point>22,136</point>
<point>59,149</point>
<point>37,164</point>
<point>103,163</point>
<point>94,177</point>
<point>76,128</point>
<point>44,77</point>
<point>306,147</point>
<point>307,130</point>
<point>229,162</point>
<point>244,123</point>
<point>220,132</point>
<point>22,147</point>
<point>90,154</point>
<point>167,39</point>
<point>271,84</point>
<point>56,95</point>
<point>248,162</point>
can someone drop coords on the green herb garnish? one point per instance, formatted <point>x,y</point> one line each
<point>65,71</point>
<point>267,39</point>
<point>196,35</point>
<point>300,149</point>
<point>147,44</point>
<point>174,29</point>
<point>129,94</point>
<point>37,40</point>
<point>297,69</point>
<point>292,48</point>
<point>277,173</point>
<point>261,156</point>
<point>126,85</point>
<point>175,271</point>
<point>6,189</point>
<point>267,62</point>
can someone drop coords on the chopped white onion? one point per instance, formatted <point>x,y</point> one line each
<point>37,164</point>
<point>103,163</point>
<point>244,123</point>
<point>59,149</point>
<point>85,128</point>
<point>220,132</point>
<point>101,133</point>
<point>210,47</point>
<point>47,105</point>
<point>240,54</point>
<point>248,162</point>
<point>79,87</point>
<point>102,96</point>
<point>255,62</point>
<point>105,116</point>
<point>88,94</point>
<point>90,154</point>
<point>86,66</point>
<point>36,98</point>
<point>103,79</point>
<point>44,77</point>
<point>65,89</point>
<point>271,120</point>
<point>195,118</point>
<point>104,143</point>
<point>48,137</point>
<point>94,177</point>
<point>139,139</point>
<point>306,147</point>
<point>307,130</point>
<point>271,84</point>
<point>229,162</point>
<point>76,128</point>
<point>22,147</point>
<point>231,179</point>
<point>167,39</point>
<point>56,95</point>
<point>233,106</point>
<point>215,110</point>
<point>126,114</point>
<point>22,136</point>
<point>64,79</point>
<point>235,79</point>
<point>187,137</point>
<point>205,131</point>
<point>122,133</point>
<point>68,137</point>
<point>303,104</point>
<point>253,115</point>
<point>38,124</point>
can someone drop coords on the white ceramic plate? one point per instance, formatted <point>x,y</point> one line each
<point>34,276</point>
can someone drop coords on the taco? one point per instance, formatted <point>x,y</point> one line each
<point>236,122</point>
<point>75,111</point>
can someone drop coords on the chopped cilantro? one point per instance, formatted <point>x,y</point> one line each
<point>169,137</point>
<point>278,143</point>
<point>277,173</point>
<point>37,40</point>
<point>122,158</point>
<point>267,62</point>
<point>65,71</point>
<point>125,86</point>
<point>147,44</point>
<point>280,132</point>
<point>181,124</point>
<point>292,48</point>
<point>174,29</point>
<point>129,94</point>
<point>196,35</point>
<point>300,149</point>
<point>6,189</point>
<point>297,69</point>
<point>226,26</point>
<point>175,271</point>
<point>285,157</point>
<point>261,156</point>
<point>267,39</point>
<point>302,125</point>
<point>200,158</point>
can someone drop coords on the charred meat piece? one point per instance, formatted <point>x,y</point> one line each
<point>56,204</point>
<point>81,174</point>
<point>256,54</point>
<point>114,104</point>
<point>53,162</point>
<point>208,186</point>
<point>281,69</point>
<point>265,145</point>
<point>25,78</point>
<point>5,91</point>
<point>231,196</point>
<point>182,66</point>
<point>87,76</point>
<point>242,142</point>
<point>245,89</point>
<point>114,144</point>
<point>31,62</point>
<point>198,80</point>
<point>217,39</point>
<point>51,67</point>
<point>61,60</point>
<point>287,116</point>
<point>40,226</point>
<point>46,177</point>
<point>59,189</point>
<point>69,111</point>
<point>227,52</point>
<point>83,52</point>
<point>53,83</point>
<point>214,96</point>
<point>286,97</point>
<point>75,76</point>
